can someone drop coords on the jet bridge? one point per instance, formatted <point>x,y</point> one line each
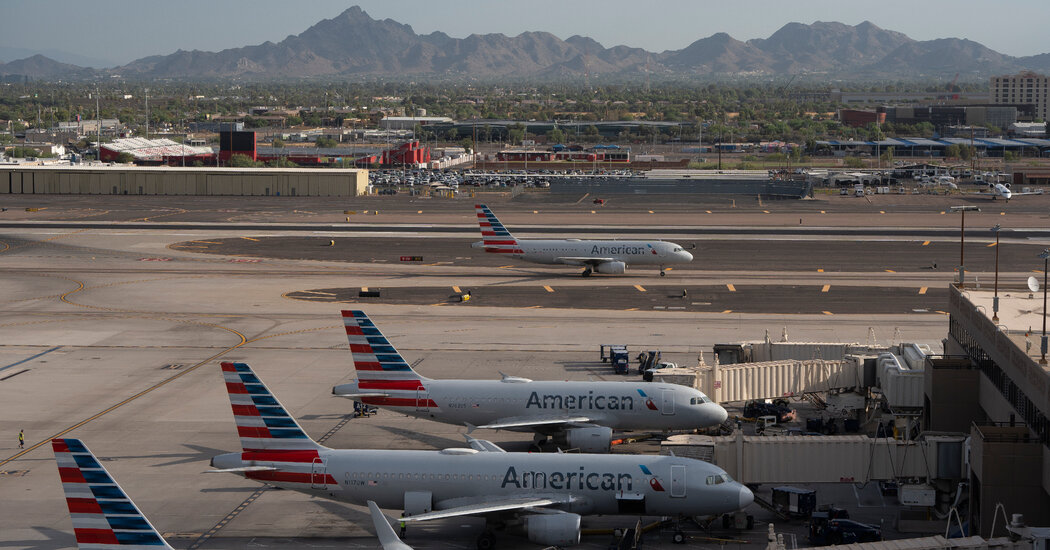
<point>825,459</point>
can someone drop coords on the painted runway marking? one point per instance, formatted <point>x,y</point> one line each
<point>821,270</point>
<point>456,289</point>
<point>922,290</point>
<point>727,311</point>
<point>548,288</point>
<point>925,243</point>
<point>640,288</point>
<point>731,287</point>
<point>991,245</point>
<point>890,271</point>
<point>825,288</point>
<point>827,312</point>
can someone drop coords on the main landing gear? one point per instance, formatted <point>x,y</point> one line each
<point>663,272</point>
<point>587,272</point>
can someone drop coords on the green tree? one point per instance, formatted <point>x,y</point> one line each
<point>854,162</point>
<point>125,158</point>
<point>243,161</point>
<point>887,155</point>
<point>278,142</point>
<point>555,135</point>
<point>326,142</point>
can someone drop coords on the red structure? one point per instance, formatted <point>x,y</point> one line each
<point>407,153</point>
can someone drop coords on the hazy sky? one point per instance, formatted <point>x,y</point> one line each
<point>119,31</point>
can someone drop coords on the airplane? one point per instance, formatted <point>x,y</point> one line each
<point>104,518</point>
<point>996,190</point>
<point>540,495</point>
<point>596,256</point>
<point>580,414</point>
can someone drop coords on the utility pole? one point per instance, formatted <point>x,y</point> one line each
<point>147,113</point>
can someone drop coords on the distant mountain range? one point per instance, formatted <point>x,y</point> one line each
<point>354,44</point>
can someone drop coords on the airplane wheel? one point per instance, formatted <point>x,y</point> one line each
<point>487,541</point>
<point>586,272</point>
<point>678,537</point>
<point>663,273</point>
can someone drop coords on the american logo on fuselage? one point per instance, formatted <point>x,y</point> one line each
<point>599,250</point>
<point>580,480</point>
<point>582,401</point>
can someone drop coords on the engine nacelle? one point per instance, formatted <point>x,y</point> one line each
<point>611,268</point>
<point>589,440</point>
<point>553,529</point>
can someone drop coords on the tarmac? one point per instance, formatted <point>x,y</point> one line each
<point>113,335</point>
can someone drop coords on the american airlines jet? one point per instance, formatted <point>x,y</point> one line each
<point>540,495</point>
<point>578,414</point>
<point>595,256</point>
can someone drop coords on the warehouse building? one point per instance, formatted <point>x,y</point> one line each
<point>122,180</point>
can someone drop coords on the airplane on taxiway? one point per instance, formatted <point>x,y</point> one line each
<point>539,495</point>
<point>595,256</point>
<point>580,414</point>
<point>1002,190</point>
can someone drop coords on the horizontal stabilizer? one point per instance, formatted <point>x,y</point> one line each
<point>359,395</point>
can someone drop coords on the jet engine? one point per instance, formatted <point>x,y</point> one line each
<point>611,268</point>
<point>560,529</point>
<point>589,440</point>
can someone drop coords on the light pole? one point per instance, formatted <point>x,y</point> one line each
<point>995,299</point>
<point>962,239</point>
<point>1042,344</point>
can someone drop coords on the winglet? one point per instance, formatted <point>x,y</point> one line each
<point>104,518</point>
<point>470,427</point>
<point>387,537</point>
<point>484,445</point>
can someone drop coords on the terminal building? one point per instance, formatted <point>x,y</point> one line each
<point>129,180</point>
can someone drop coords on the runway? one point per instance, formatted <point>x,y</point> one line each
<point>113,336</point>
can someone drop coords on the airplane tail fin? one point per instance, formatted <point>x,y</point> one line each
<point>496,237</point>
<point>262,422</point>
<point>104,518</point>
<point>379,365</point>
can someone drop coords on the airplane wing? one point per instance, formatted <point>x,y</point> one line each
<point>387,537</point>
<point>534,421</point>
<point>1036,192</point>
<point>491,505</point>
<point>582,260</point>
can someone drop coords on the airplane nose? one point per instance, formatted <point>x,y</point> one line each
<point>722,415</point>
<point>746,497</point>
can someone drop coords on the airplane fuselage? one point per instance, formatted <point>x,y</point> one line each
<point>555,251</point>
<point>595,484</point>
<point>618,405</point>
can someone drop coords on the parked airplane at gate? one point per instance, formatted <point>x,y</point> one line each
<point>579,414</point>
<point>540,495</point>
<point>597,256</point>
<point>104,518</point>
<point>996,190</point>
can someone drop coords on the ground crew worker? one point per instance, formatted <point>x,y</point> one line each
<point>21,440</point>
<point>402,525</point>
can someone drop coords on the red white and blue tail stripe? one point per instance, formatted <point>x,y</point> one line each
<point>384,378</point>
<point>103,515</point>
<point>262,422</point>
<point>496,237</point>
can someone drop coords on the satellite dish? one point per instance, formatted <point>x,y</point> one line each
<point>1033,284</point>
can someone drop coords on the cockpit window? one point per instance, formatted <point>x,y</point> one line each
<point>699,400</point>
<point>679,249</point>
<point>718,479</point>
